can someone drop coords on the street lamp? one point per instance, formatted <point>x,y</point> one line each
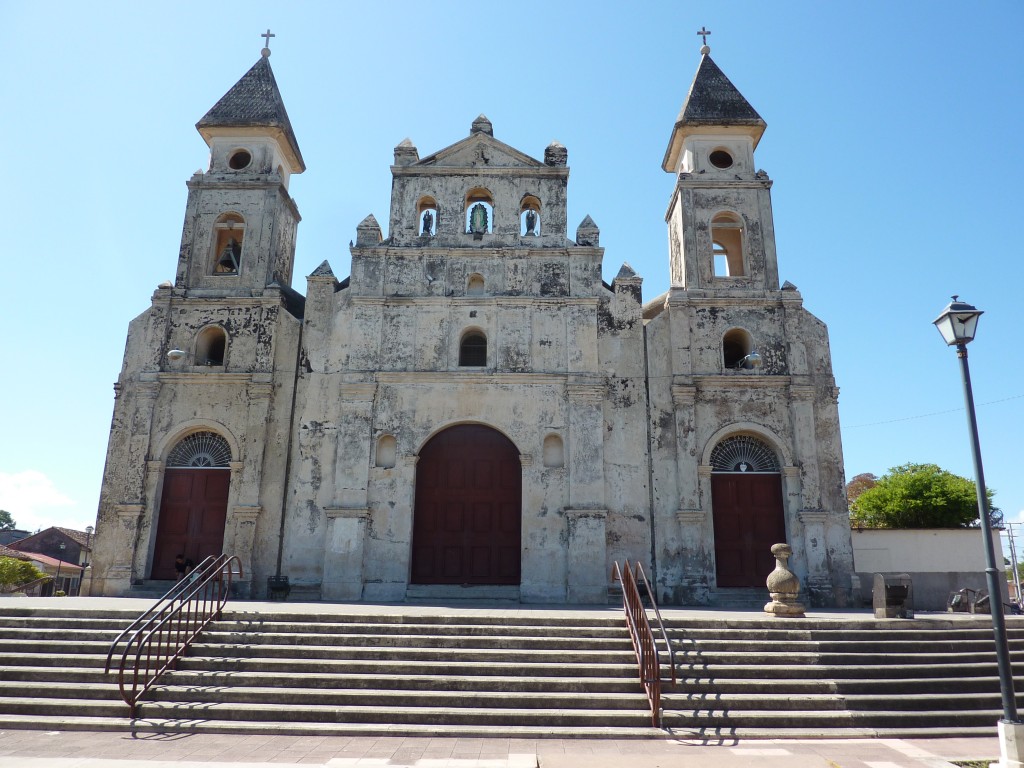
<point>957,324</point>
<point>60,561</point>
<point>88,536</point>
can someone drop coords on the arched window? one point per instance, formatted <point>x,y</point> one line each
<point>229,232</point>
<point>211,344</point>
<point>387,450</point>
<point>426,213</point>
<point>529,216</point>
<point>479,212</point>
<point>475,285</point>
<point>736,345</point>
<point>743,453</point>
<point>727,245</point>
<point>554,452</point>
<point>473,349</point>
<point>205,450</point>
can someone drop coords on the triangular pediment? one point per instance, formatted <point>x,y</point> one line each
<point>478,150</point>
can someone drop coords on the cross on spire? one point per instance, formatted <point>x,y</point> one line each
<point>267,36</point>
<point>702,32</point>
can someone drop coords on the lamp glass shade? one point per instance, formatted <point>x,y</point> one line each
<point>958,323</point>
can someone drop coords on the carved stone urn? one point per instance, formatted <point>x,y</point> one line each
<point>783,585</point>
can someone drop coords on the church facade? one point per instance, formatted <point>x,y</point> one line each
<point>473,410</point>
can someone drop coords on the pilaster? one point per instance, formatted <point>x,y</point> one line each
<point>343,553</point>
<point>587,555</point>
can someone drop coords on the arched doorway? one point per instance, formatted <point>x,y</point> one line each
<point>466,522</point>
<point>194,502</point>
<point>746,502</point>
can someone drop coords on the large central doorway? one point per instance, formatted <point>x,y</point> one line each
<point>746,500</point>
<point>194,502</point>
<point>466,522</point>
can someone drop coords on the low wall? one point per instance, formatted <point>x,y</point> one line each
<point>939,561</point>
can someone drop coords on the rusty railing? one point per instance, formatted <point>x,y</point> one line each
<point>644,644</point>
<point>155,641</point>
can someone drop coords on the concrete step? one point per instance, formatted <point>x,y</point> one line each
<point>445,593</point>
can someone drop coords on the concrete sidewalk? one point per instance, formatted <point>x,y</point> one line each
<point>81,749</point>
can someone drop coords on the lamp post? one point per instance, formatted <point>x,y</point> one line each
<point>957,324</point>
<point>60,561</point>
<point>88,536</point>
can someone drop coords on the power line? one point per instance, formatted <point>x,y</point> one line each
<point>927,415</point>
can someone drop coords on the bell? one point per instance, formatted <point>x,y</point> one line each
<point>228,261</point>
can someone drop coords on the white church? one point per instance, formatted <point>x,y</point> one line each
<point>473,411</point>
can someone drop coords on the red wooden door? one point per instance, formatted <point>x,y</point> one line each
<point>748,521</point>
<point>466,523</point>
<point>193,509</point>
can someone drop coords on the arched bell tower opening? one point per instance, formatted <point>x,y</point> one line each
<point>468,509</point>
<point>194,502</point>
<point>746,503</point>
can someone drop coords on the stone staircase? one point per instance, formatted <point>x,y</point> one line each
<point>518,672</point>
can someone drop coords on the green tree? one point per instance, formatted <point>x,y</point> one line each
<point>14,573</point>
<point>6,521</point>
<point>919,496</point>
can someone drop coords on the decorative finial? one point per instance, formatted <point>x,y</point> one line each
<point>703,32</point>
<point>266,46</point>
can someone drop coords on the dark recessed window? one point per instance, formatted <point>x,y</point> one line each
<point>473,350</point>
<point>240,160</point>
<point>720,159</point>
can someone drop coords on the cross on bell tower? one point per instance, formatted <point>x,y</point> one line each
<point>266,46</point>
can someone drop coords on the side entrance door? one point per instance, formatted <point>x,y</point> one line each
<point>466,522</point>
<point>193,510</point>
<point>748,520</point>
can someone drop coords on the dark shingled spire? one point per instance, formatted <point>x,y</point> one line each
<point>714,100</point>
<point>253,101</point>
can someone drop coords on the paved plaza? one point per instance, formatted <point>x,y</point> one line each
<point>79,749</point>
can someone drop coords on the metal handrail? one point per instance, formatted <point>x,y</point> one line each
<point>657,614</point>
<point>154,642</point>
<point>643,638</point>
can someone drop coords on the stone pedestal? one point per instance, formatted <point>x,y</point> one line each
<point>587,577</point>
<point>343,553</point>
<point>783,585</point>
<point>1011,745</point>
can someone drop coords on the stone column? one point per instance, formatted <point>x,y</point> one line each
<point>352,459</point>
<point>343,553</point>
<point>587,571</point>
<point>693,529</point>
<point>683,399</point>
<point>240,539</point>
<point>586,446</point>
<point>118,578</point>
<point>818,582</point>
<point>805,444</point>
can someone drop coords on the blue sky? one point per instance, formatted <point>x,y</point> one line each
<point>893,141</point>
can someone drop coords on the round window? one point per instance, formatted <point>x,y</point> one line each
<point>720,159</point>
<point>239,160</point>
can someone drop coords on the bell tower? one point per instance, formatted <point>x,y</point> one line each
<point>240,221</point>
<point>720,220</point>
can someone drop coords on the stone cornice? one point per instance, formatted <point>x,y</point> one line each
<point>358,391</point>
<point>129,510</point>
<point>347,513</point>
<point>683,395</point>
<point>573,513</point>
<point>501,302</point>
<point>802,392</point>
<point>731,381</point>
<point>809,516</point>
<point>689,181</point>
<point>246,511</point>
<point>204,378</point>
<point>503,171</point>
<point>691,516</point>
<point>461,377</point>
<point>586,393</point>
